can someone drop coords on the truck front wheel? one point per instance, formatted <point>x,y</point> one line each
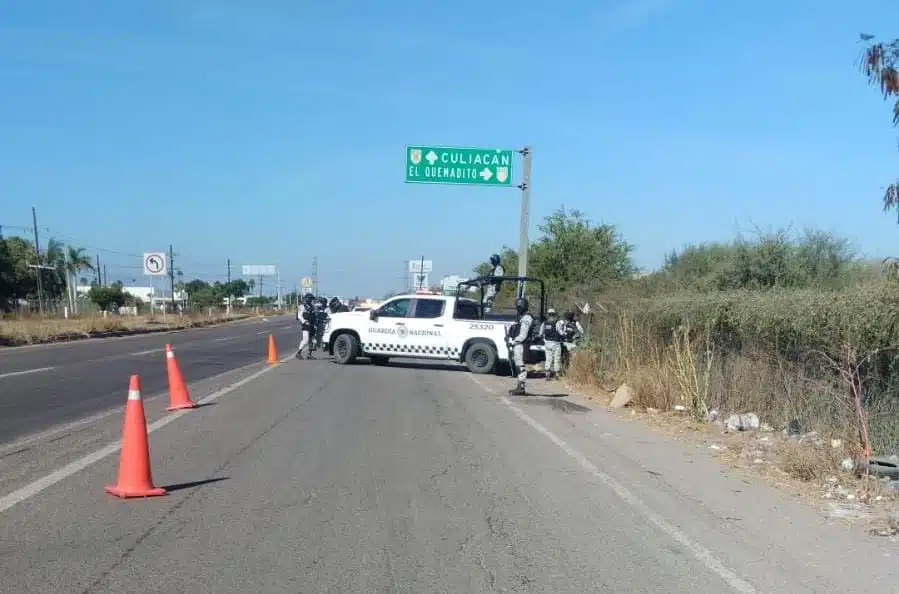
<point>346,347</point>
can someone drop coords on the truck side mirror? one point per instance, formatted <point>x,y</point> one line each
<point>373,315</point>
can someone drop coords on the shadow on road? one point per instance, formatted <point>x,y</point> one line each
<point>437,366</point>
<point>553,401</point>
<point>192,484</point>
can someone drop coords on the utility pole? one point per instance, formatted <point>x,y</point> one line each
<point>105,277</point>
<point>525,188</point>
<point>315,275</point>
<point>420,277</point>
<point>37,270</point>
<point>172,274</point>
<point>279,287</point>
<point>70,297</point>
<point>230,295</point>
<point>99,278</point>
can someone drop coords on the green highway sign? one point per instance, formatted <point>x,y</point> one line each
<point>458,165</point>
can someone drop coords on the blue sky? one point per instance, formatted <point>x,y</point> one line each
<point>273,131</point>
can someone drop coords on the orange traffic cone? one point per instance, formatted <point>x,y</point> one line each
<point>179,397</point>
<point>272,350</point>
<point>135,478</point>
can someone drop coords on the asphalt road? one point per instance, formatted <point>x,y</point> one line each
<point>314,477</point>
<point>47,385</point>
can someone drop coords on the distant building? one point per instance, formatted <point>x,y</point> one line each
<point>158,297</point>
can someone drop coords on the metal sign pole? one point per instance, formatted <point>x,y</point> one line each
<point>525,187</point>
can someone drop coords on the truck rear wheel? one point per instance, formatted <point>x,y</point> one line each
<point>480,357</point>
<point>346,347</point>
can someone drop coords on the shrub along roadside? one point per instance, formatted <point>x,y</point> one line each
<point>794,328</point>
<point>791,357</point>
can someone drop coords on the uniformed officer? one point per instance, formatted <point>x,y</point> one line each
<point>321,320</point>
<point>306,317</point>
<point>494,287</point>
<point>519,339</point>
<point>553,332</point>
<point>572,333</point>
<point>336,306</point>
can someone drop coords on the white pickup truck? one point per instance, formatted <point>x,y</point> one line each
<point>418,326</point>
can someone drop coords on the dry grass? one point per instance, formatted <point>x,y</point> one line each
<point>23,330</point>
<point>704,369</point>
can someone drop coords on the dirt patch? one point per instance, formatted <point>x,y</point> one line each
<point>807,466</point>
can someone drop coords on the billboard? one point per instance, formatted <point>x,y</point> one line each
<point>259,270</point>
<point>421,266</point>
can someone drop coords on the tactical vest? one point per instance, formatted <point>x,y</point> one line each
<point>515,328</point>
<point>550,332</point>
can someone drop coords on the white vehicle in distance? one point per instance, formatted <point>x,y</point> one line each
<point>436,327</point>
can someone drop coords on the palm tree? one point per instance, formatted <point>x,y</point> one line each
<point>69,262</point>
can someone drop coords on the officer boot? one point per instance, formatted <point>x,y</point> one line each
<point>518,390</point>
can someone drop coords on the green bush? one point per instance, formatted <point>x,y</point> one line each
<point>783,320</point>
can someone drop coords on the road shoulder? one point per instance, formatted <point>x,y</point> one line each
<point>709,501</point>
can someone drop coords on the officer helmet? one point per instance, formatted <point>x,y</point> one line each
<point>551,312</point>
<point>521,305</point>
<point>308,298</point>
<point>323,301</point>
<point>494,260</point>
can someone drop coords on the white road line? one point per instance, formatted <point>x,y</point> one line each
<point>147,352</point>
<point>224,338</point>
<point>25,372</point>
<point>58,430</point>
<point>702,554</point>
<point>32,489</point>
<point>263,332</point>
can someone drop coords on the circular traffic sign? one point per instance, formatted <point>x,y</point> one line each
<point>154,264</point>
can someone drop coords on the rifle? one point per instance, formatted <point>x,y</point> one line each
<point>513,369</point>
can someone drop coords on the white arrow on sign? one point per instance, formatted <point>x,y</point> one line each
<point>431,157</point>
<point>486,174</point>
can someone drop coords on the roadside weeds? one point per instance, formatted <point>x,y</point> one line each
<point>819,470</point>
<point>31,331</point>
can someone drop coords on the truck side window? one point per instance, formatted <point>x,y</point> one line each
<point>466,311</point>
<point>429,308</point>
<point>396,309</point>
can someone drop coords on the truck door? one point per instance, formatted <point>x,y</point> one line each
<point>427,333</point>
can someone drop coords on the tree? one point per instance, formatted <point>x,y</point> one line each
<point>880,63</point>
<point>237,288</point>
<point>770,260</point>
<point>575,253</point>
<point>572,253</point>
<point>7,278</point>
<point>21,254</point>
<point>106,297</point>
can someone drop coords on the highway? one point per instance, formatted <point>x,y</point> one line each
<point>313,477</point>
<point>47,385</point>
